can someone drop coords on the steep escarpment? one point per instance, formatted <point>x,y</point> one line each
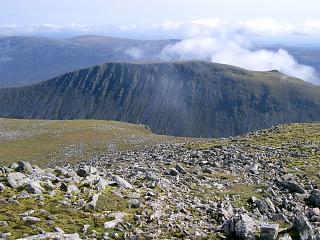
<point>185,99</point>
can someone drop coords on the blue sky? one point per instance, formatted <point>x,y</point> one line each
<point>126,12</point>
<point>277,19</point>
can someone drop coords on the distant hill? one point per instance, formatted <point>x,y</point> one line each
<point>186,98</point>
<point>27,60</point>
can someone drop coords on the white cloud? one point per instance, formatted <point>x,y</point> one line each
<point>236,51</point>
<point>268,27</point>
<point>134,52</point>
<point>203,27</point>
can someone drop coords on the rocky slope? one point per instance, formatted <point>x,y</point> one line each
<point>264,185</point>
<point>185,98</point>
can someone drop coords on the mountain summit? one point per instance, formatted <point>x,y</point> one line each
<point>193,98</point>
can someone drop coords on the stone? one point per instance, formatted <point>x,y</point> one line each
<point>4,224</point>
<point>83,172</point>
<point>110,224</point>
<point>134,195</point>
<point>24,167</point>
<point>30,219</point>
<point>292,186</point>
<point>208,170</point>
<point>285,237</point>
<point>86,171</point>
<point>304,228</point>
<point>73,189</point>
<point>241,226</point>
<point>122,182</point>
<point>91,206</point>
<point>55,236</point>
<point>173,172</point>
<point>265,205</point>
<point>34,187</point>
<point>314,198</point>
<point>58,229</point>
<point>269,231</point>
<point>134,203</point>
<point>101,184</point>
<point>180,169</point>
<point>2,187</point>
<point>64,187</point>
<point>17,180</point>
<point>254,169</point>
<point>85,228</point>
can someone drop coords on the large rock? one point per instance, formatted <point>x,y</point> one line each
<point>17,180</point>
<point>86,171</point>
<point>55,236</point>
<point>101,184</point>
<point>241,226</point>
<point>122,182</point>
<point>285,237</point>
<point>34,187</point>
<point>24,167</point>
<point>30,219</point>
<point>269,231</point>
<point>2,187</point>
<point>304,228</point>
<point>91,206</point>
<point>314,198</point>
<point>292,186</point>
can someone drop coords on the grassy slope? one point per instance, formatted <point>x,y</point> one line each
<point>45,142</point>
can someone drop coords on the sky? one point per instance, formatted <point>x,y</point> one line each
<point>140,12</point>
<point>277,19</point>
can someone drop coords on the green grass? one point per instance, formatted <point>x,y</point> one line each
<point>56,142</point>
<point>69,218</point>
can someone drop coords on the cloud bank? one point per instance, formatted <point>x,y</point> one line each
<point>178,29</point>
<point>237,52</point>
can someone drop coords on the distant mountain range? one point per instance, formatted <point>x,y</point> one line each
<point>28,60</point>
<point>185,98</point>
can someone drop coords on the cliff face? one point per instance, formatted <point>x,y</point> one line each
<point>184,99</point>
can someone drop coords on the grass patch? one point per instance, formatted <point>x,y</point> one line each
<point>44,142</point>
<point>53,213</point>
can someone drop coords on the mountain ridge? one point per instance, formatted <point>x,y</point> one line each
<point>192,98</point>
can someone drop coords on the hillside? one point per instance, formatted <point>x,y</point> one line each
<point>262,185</point>
<point>27,60</point>
<point>44,142</point>
<point>183,99</point>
